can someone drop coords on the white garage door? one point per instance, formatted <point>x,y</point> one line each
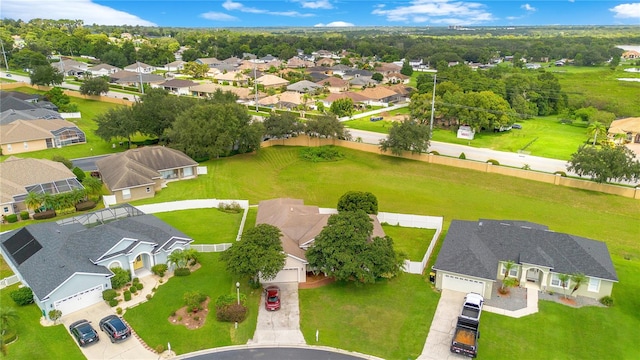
<point>80,300</point>
<point>286,275</point>
<point>462,284</point>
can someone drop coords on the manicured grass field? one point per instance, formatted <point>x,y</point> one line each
<point>390,319</point>
<point>5,270</point>
<point>36,341</point>
<point>544,136</point>
<point>411,241</point>
<point>204,226</point>
<point>151,322</point>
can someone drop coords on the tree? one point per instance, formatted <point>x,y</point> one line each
<point>8,318</point>
<point>61,100</point>
<point>259,253</point>
<point>564,282</point>
<point>94,86</point>
<point>406,68</point>
<point>508,265</point>
<point>120,277</point>
<point>578,279</point>
<point>345,250</point>
<point>179,258</point>
<point>61,159</point>
<point>480,110</point>
<point>408,135</point>
<point>327,126</point>
<point>605,164</point>
<point>596,129</point>
<point>157,110</point>
<point>116,123</point>
<point>342,107</point>
<point>45,75</point>
<point>93,186</point>
<point>358,200</point>
<point>33,201</point>
<point>54,315</point>
<point>196,70</point>
<point>282,125</point>
<point>377,77</point>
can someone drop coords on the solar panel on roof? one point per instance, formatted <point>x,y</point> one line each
<point>22,246</point>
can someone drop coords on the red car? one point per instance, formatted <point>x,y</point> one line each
<point>272,298</point>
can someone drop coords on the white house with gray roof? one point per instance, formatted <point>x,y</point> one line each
<point>67,263</point>
<point>474,253</point>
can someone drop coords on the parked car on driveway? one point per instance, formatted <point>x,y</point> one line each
<point>84,333</point>
<point>516,126</point>
<point>115,328</point>
<point>272,298</point>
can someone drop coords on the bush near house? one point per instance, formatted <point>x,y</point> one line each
<point>139,286</point>
<point>11,218</point>
<point>109,294</point>
<point>120,278</point>
<point>85,205</point>
<point>182,272</point>
<point>22,296</point>
<point>127,295</point>
<point>24,215</point>
<point>159,269</point>
<point>48,214</point>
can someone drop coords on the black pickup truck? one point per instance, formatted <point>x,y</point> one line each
<point>465,338</point>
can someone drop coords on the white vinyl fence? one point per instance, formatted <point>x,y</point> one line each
<point>8,281</point>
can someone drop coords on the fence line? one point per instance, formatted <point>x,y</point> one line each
<point>8,281</point>
<point>211,247</point>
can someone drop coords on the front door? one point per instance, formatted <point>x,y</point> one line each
<point>533,275</point>
<point>137,263</point>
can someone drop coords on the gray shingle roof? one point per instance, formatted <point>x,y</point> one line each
<point>476,248</point>
<point>68,249</point>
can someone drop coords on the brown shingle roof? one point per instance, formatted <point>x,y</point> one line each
<point>27,130</point>
<point>626,125</point>
<point>377,92</point>
<point>17,173</point>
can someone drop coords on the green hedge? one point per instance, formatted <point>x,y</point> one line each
<point>11,218</point>
<point>49,214</point>
<point>24,215</point>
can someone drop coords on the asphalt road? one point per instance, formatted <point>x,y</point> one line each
<point>280,353</point>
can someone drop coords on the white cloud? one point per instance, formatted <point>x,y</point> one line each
<point>231,5</point>
<point>335,24</point>
<point>319,4</point>
<point>437,12</point>
<point>627,11</point>
<point>572,1</point>
<point>218,16</point>
<point>84,10</point>
<point>528,7</point>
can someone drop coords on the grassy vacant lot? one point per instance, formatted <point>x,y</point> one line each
<point>544,136</point>
<point>390,319</point>
<point>35,341</point>
<point>151,322</point>
<point>204,226</point>
<point>411,241</point>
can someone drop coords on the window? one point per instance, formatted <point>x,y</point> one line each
<point>6,209</point>
<point>188,171</point>
<point>594,285</point>
<point>148,189</point>
<point>555,281</point>
<point>9,147</point>
<point>513,272</point>
<point>26,145</point>
<point>126,194</point>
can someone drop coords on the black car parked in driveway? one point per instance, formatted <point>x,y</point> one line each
<point>84,333</point>
<point>115,328</point>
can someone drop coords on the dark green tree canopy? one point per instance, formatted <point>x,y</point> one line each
<point>45,75</point>
<point>358,200</point>
<point>408,135</point>
<point>342,107</point>
<point>116,123</point>
<point>282,125</point>
<point>326,126</point>
<point>94,86</point>
<point>605,164</point>
<point>259,253</point>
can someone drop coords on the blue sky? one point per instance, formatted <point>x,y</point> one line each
<point>327,13</point>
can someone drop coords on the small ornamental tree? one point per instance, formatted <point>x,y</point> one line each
<point>358,200</point>
<point>120,278</point>
<point>55,315</point>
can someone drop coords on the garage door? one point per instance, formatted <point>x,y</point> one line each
<point>80,300</point>
<point>286,275</point>
<point>462,284</point>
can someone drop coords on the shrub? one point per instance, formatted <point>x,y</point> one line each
<point>55,315</point>
<point>135,280</point>
<point>160,281</point>
<point>526,167</point>
<point>232,207</point>
<point>606,301</point>
<point>80,175</point>
<point>321,154</point>
<point>182,272</point>
<point>561,173</point>
<point>109,294</point>
<point>434,153</point>
<point>153,289</point>
<point>114,302</point>
<point>22,296</point>
<point>119,310</point>
<point>159,349</point>
<point>149,296</point>
<point>462,156</point>
<point>232,313</point>
<point>120,278</point>
<point>193,300</point>
<point>230,299</point>
<point>173,313</point>
<point>127,295</point>
<point>62,159</point>
<point>159,269</point>
<point>358,200</point>
<point>139,286</point>
<point>48,214</point>
<point>85,205</point>
<point>11,218</point>
<point>493,162</point>
<point>24,215</point>
<point>133,289</point>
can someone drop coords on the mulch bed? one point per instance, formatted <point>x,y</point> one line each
<point>316,281</point>
<point>188,318</point>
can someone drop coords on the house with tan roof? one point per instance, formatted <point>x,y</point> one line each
<point>287,99</point>
<point>297,63</point>
<point>140,67</point>
<point>628,126</point>
<point>244,94</point>
<point>177,65</point>
<point>334,84</point>
<point>271,81</point>
<point>299,224</point>
<point>23,136</point>
<point>20,176</point>
<point>631,54</point>
<point>139,173</point>
<point>231,77</point>
<point>380,96</point>
<point>325,62</point>
<point>357,98</point>
<point>103,70</point>
<point>396,78</point>
<point>387,68</point>
<point>176,86</point>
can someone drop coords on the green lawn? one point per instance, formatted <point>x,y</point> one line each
<point>36,341</point>
<point>544,136</point>
<point>204,226</point>
<point>5,270</point>
<point>151,322</point>
<point>389,319</point>
<point>411,241</point>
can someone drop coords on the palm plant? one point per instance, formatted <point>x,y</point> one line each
<point>178,258</point>
<point>49,201</point>
<point>33,201</point>
<point>564,282</point>
<point>595,129</point>
<point>8,317</point>
<point>578,279</point>
<point>92,185</point>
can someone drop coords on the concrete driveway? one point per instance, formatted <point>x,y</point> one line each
<point>280,326</point>
<point>444,323</point>
<point>104,349</point>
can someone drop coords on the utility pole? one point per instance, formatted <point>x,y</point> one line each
<point>140,77</point>
<point>4,55</point>
<point>433,107</point>
<point>255,85</point>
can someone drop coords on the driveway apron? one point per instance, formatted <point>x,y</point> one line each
<point>442,327</point>
<point>280,327</point>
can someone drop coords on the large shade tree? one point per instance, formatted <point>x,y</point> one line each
<point>116,123</point>
<point>45,75</point>
<point>605,164</point>
<point>408,135</point>
<point>258,254</point>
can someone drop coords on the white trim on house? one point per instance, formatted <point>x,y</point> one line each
<point>108,252</point>
<point>164,243</point>
<point>114,262</point>
<point>297,258</point>
<point>46,297</point>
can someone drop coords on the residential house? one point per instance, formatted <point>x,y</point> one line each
<point>209,61</point>
<point>134,80</point>
<point>323,54</point>
<point>532,66</point>
<point>70,67</point>
<point>141,68</point>
<point>396,78</point>
<point>325,62</point>
<point>362,82</point>
<point>287,99</point>
<point>22,136</point>
<point>380,96</point>
<point>176,86</point>
<point>103,70</point>
<point>628,126</point>
<point>305,86</point>
<point>19,176</point>
<point>140,173</point>
<point>357,98</point>
<point>232,77</point>
<point>387,68</point>
<point>297,63</point>
<point>244,94</point>
<point>630,55</point>
<point>334,84</point>
<point>10,115</point>
<point>32,98</point>
<point>67,263</point>
<point>271,81</point>
<point>299,224</point>
<point>474,254</point>
<point>177,65</point>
